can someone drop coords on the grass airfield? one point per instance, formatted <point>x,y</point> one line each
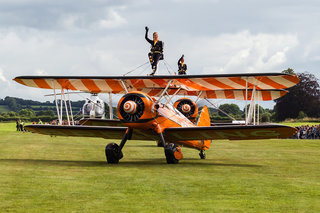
<point>57,174</point>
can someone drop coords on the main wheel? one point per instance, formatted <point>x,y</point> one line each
<point>202,155</point>
<point>113,153</point>
<point>169,151</point>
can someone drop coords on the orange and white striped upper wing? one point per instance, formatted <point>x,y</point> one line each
<point>230,86</point>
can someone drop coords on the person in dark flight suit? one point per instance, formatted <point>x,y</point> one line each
<point>156,52</point>
<point>182,67</point>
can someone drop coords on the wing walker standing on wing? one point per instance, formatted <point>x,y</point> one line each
<point>156,51</point>
<point>182,67</point>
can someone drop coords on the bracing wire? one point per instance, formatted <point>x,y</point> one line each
<point>165,63</point>
<point>143,70</point>
<point>136,68</point>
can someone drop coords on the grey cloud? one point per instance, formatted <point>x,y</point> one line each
<point>107,37</point>
<point>47,15</point>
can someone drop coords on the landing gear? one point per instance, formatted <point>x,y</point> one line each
<point>169,151</point>
<point>202,154</point>
<point>173,152</point>
<point>113,151</point>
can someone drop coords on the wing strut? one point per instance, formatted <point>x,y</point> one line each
<point>200,93</point>
<point>124,86</point>
<point>246,110</point>
<point>110,106</point>
<point>65,105</point>
<point>178,90</point>
<point>253,114</point>
<point>57,106</point>
<point>72,120</point>
<point>164,91</point>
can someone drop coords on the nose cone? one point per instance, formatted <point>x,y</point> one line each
<point>186,108</point>
<point>130,107</point>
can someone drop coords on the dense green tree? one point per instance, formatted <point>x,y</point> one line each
<point>45,112</point>
<point>266,117</point>
<point>302,97</point>
<point>12,114</point>
<point>26,113</point>
<point>11,103</point>
<point>301,115</point>
<point>231,109</point>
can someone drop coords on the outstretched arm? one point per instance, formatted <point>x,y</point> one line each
<point>146,35</point>
<point>179,62</point>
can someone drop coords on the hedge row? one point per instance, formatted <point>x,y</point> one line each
<point>43,118</point>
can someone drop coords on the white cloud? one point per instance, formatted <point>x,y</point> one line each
<point>240,52</point>
<point>69,21</point>
<point>2,78</point>
<point>113,20</point>
<point>40,72</point>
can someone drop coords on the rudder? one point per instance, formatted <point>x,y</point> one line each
<point>204,120</point>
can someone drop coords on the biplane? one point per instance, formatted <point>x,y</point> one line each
<point>146,110</point>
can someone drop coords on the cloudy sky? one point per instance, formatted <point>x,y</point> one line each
<point>100,37</point>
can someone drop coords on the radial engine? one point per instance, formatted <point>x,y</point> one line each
<point>187,107</point>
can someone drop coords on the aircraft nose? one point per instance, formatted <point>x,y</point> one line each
<point>186,108</point>
<point>130,107</point>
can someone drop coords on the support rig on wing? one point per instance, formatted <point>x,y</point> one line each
<point>93,107</point>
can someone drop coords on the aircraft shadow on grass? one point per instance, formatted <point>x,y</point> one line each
<point>132,163</point>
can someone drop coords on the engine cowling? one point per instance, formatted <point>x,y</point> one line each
<point>187,107</point>
<point>136,108</point>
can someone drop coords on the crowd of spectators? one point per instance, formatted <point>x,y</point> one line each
<point>308,132</point>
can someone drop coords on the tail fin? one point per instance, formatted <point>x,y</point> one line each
<point>204,117</point>
<point>204,120</point>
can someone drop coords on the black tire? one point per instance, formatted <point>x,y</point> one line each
<point>113,153</point>
<point>202,155</point>
<point>169,151</point>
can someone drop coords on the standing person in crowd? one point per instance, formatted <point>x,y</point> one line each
<point>22,126</point>
<point>18,124</point>
<point>156,51</point>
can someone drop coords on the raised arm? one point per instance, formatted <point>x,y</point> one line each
<point>146,35</point>
<point>179,61</point>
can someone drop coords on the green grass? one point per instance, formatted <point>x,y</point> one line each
<point>56,174</point>
<point>4,108</point>
<point>295,124</point>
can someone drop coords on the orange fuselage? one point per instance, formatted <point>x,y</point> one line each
<point>157,117</point>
